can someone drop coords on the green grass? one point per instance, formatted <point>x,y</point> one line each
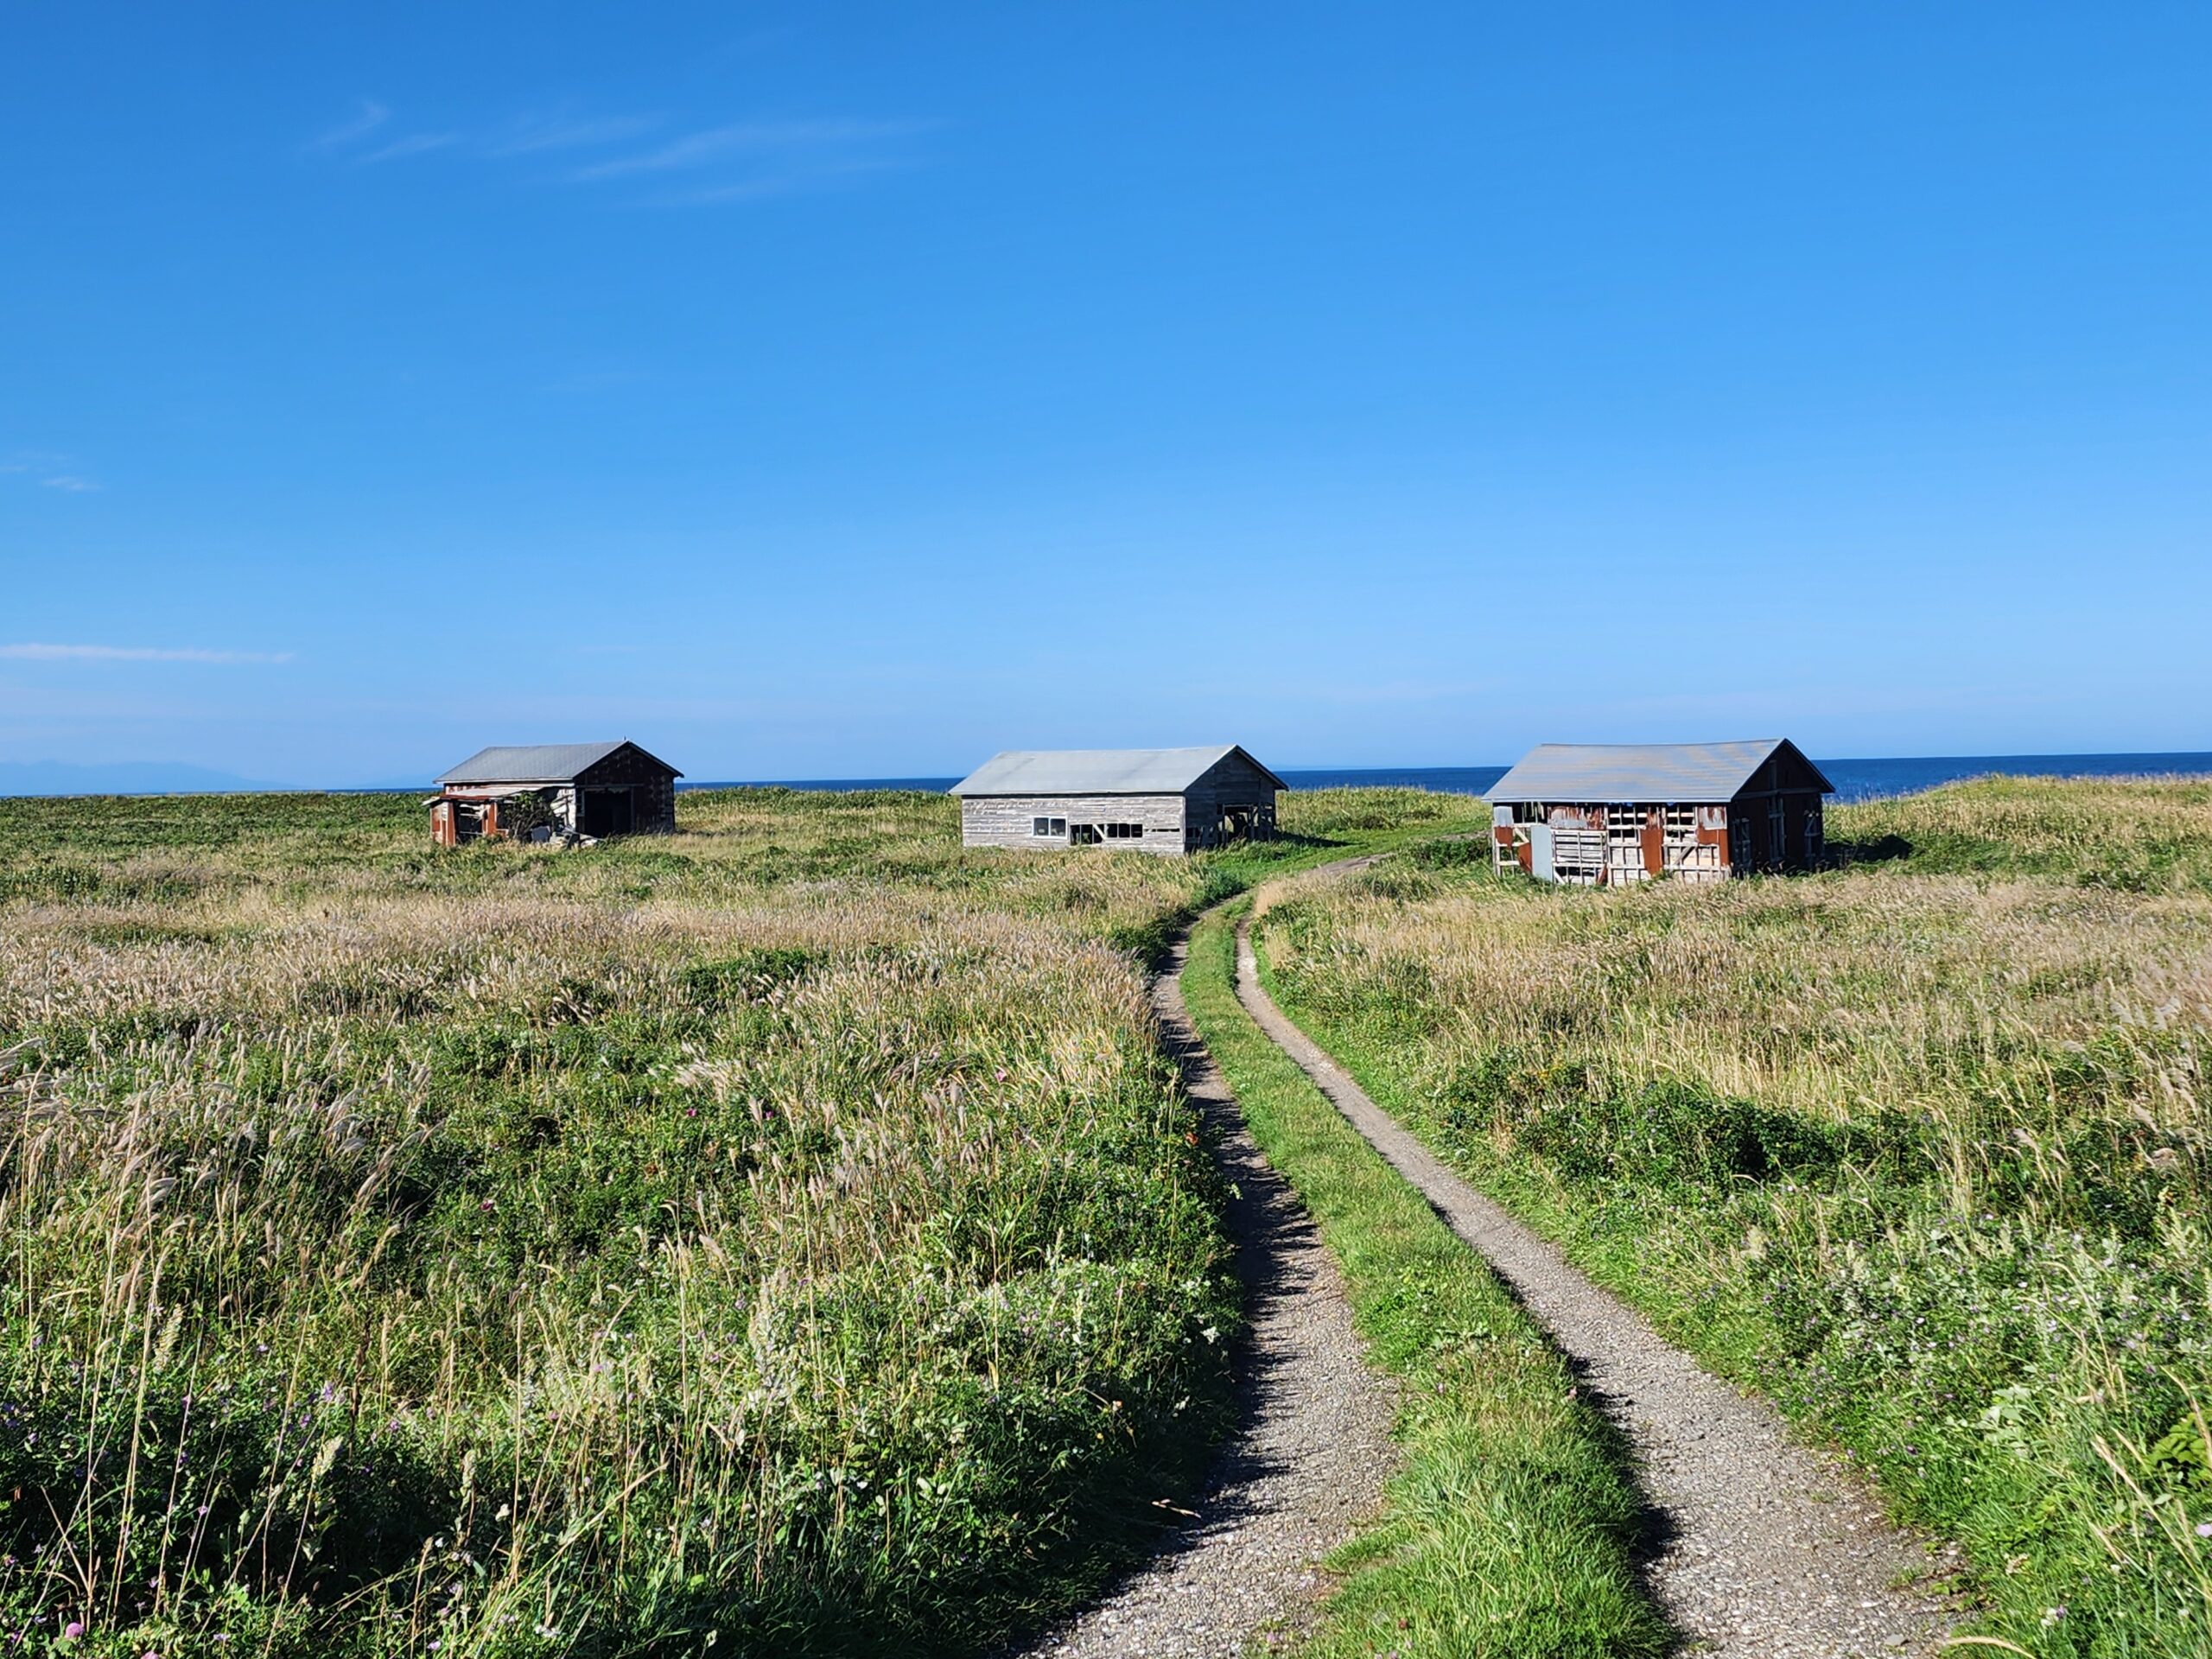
<point>1509,1528</point>
<point>1918,1146</point>
<point>786,1230</point>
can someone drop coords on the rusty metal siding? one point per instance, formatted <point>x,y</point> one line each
<point>1615,843</point>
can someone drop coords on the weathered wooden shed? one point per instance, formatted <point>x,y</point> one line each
<point>1603,814</point>
<point>593,789</point>
<point>1169,801</point>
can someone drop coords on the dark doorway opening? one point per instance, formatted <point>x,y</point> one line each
<point>608,812</point>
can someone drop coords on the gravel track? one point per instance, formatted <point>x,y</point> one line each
<point>1760,1547</point>
<point>1312,1448</point>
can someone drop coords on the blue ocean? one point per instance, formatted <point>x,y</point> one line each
<point>1855,780</point>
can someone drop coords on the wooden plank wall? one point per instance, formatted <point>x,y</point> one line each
<point>653,811</point>
<point>1232,781</point>
<point>1004,820</point>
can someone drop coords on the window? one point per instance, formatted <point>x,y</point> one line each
<point>1125,832</point>
<point>1048,826</point>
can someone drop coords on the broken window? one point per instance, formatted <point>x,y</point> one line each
<point>1624,848</point>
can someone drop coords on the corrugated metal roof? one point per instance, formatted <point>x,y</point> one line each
<point>534,763</point>
<point>1098,771</point>
<point>1653,772</point>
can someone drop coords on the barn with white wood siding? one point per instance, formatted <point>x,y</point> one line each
<point>1166,801</point>
<point>1607,814</point>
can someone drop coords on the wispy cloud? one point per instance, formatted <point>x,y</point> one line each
<point>736,161</point>
<point>35,652</point>
<point>776,148</point>
<point>56,472</point>
<point>367,118</point>
<point>373,135</point>
<point>416,143</point>
<point>535,134</point>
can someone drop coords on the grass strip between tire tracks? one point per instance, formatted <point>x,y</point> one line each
<point>1509,1528</point>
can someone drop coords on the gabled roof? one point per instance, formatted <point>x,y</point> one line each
<point>1653,772</point>
<point>538,763</point>
<point>1099,771</point>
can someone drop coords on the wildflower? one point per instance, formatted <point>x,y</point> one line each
<point>72,1630</point>
<point>2204,1529</point>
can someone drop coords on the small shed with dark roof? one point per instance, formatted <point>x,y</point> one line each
<point>1604,814</point>
<point>1170,801</point>
<point>581,789</point>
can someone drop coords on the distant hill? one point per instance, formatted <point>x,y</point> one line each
<point>119,777</point>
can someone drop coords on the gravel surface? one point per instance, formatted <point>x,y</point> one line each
<point>1761,1547</point>
<point>1308,1461</point>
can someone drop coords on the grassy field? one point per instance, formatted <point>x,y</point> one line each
<point>1922,1145</point>
<point>1509,1532</point>
<point>784,1233</point>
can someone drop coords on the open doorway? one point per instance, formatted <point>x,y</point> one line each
<point>607,812</point>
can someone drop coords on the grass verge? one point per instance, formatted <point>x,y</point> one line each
<point>1509,1528</point>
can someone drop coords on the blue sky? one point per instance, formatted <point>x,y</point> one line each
<point>858,389</point>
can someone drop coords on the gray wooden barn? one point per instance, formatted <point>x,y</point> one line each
<point>1604,814</point>
<point>593,789</point>
<point>1169,801</point>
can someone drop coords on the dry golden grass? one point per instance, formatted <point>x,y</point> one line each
<point>787,1227</point>
<point>1923,1144</point>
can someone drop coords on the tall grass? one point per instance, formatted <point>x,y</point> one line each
<point>1510,1530</point>
<point>782,1234</point>
<point>1922,1144</point>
